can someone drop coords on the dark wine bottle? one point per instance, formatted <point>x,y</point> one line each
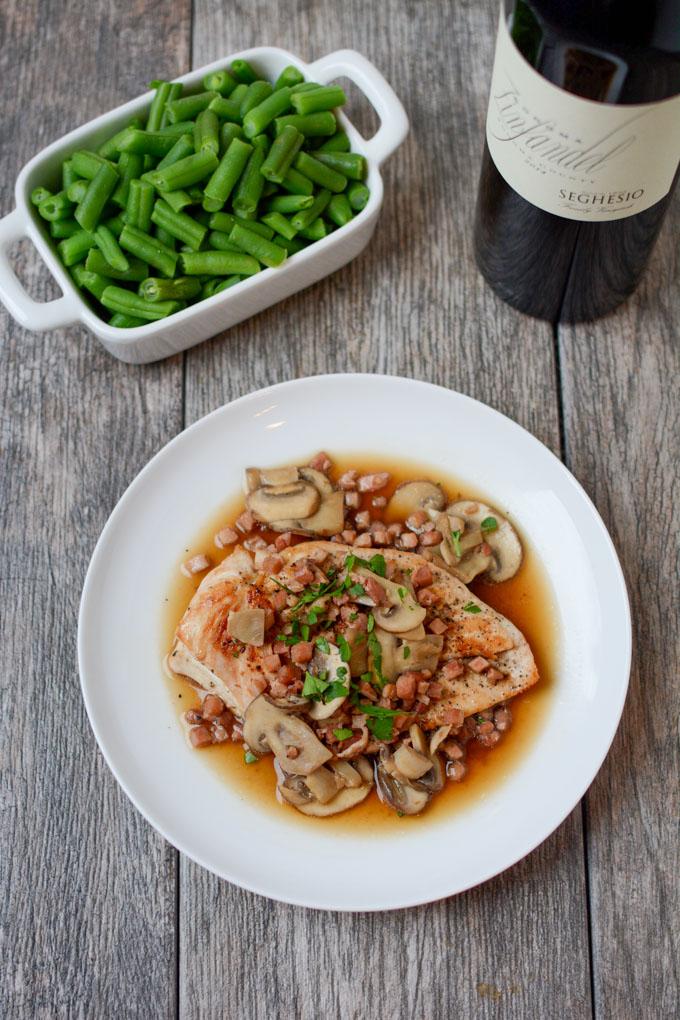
<point>581,154</point>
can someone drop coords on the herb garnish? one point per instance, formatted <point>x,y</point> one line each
<point>356,590</point>
<point>370,623</point>
<point>375,650</point>
<point>323,646</point>
<point>401,592</point>
<point>345,650</point>
<point>376,564</point>
<point>407,652</point>
<point>250,758</point>
<point>343,733</point>
<point>455,542</point>
<point>318,688</point>
<point>380,721</point>
<point>471,607</point>
<point>489,524</point>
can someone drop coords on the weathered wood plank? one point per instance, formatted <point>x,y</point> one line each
<point>412,304</point>
<point>622,419</point>
<point>88,889</point>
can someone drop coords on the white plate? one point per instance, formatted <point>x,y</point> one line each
<point>135,722</point>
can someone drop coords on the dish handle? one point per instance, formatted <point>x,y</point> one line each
<point>30,314</point>
<point>393,120</point>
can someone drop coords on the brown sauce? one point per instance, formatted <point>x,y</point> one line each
<point>526,600</point>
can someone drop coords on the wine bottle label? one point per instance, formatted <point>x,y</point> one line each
<point>584,160</point>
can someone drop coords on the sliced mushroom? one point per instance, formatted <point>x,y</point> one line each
<point>328,519</point>
<point>418,738</point>
<point>389,667</point>
<point>438,738</point>
<point>433,780</point>
<point>268,728</point>
<point>274,503</point>
<point>349,776</point>
<point>327,663</point>
<point>322,784</point>
<point>279,475</point>
<point>247,625</point>
<point>397,791</point>
<point>422,654</point>
<point>470,566</point>
<point>251,479</point>
<point>402,613</point>
<point>411,763</point>
<point>417,634</point>
<point>296,791</point>
<point>412,496</point>
<point>505,545</point>
<point>318,479</point>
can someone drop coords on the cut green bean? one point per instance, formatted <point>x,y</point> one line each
<point>289,77</point>
<point>350,164</point>
<point>282,153</point>
<point>313,125</point>
<point>280,225</point>
<point>97,195</point>
<point>238,94</point>
<point>174,92</point>
<point>181,226</point>
<point>339,142</point>
<point>86,163</point>
<point>123,321</point>
<point>319,173</point>
<point>141,198</point>
<point>219,81</point>
<point>76,191</point>
<point>40,194</point>
<point>249,188</point>
<point>319,100</point>
<point>157,108</point>
<point>177,200</point>
<point>181,127</point>
<point>196,195</point>
<point>316,230</point>
<point>96,263</point>
<point>146,143</point>
<point>64,228</point>
<point>110,249</point>
<point>358,195</point>
<point>75,248</point>
<point>305,86</point>
<point>117,299</point>
<point>184,172</point>
<point>226,175</point>
<point>225,222</point>
<point>68,174</point>
<point>226,109</point>
<point>264,251</point>
<point>289,203</point>
<point>255,96</point>
<point>302,219</point>
<point>183,147</point>
<point>339,210</point>
<point>243,72</point>
<point>220,242</point>
<point>109,150</point>
<point>130,167</point>
<point>228,132</point>
<point>164,237</point>
<point>292,245</point>
<point>216,286</point>
<point>93,282</point>
<point>207,132</point>
<point>56,207</point>
<point>296,183</point>
<point>183,288</point>
<point>189,107</point>
<point>115,224</point>
<point>217,263</point>
<point>149,249</point>
<point>258,118</point>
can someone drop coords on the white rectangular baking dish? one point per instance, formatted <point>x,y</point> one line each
<point>198,322</point>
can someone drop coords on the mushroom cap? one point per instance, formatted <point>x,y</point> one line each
<point>397,791</point>
<point>268,728</point>
<point>402,613</point>
<point>503,540</point>
<point>348,786</point>
<point>327,520</point>
<point>318,479</point>
<point>273,503</point>
<point>247,625</point>
<point>411,496</point>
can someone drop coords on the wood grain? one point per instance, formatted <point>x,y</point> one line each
<point>622,419</point>
<point>87,887</point>
<point>412,304</point>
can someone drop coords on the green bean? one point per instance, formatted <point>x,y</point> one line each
<point>110,249</point>
<point>243,72</point>
<point>289,203</point>
<point>141,198</point>
<point>289,76</point>
<point>68,174</point>
<point>56,207</point>
<point>189,107</point>
<point>302,219</point>
<point>96,263</point>
<point>215,286</point>
<point>130,167</point>
<point>305,86</point>
<point>219,81</point>
<point>269,189</point>
<point>228,132</point>
<point>40,194</point>
<point>280,225</point>
<point>109,150</point>
<point>64,228</point>
<point>255,96</point>
<point>93,282</point>
<point>339,210</point>
<point>164,237</point>
<point>319,100</point>
<point>181,226</point>
<point>351,164</point>
<point>316,230</point>
<point>296,183</point>
<point>183,147</point>
<point>180,289</point>
<point>174,92</point>
<point>282,153</point>
<point>358,195</point>
<point>207,132</point>
<point>148,143</point>
<point>184,172</point>
<point>196,195</point>
<point>313,125</point>
<point>74,248</point>
<point>177,200</point>
<point>98,193</point>
<point>149,249</point>
<point>319,173</point>
<point>117,299</point>
<point>264,251</point>
<point>339,142</point>
<point>181,127</point>
<point>292,245</point>
<point>122,321</point>
<point>226,222</point>
<point>221,242</point>
<point>249,188</point>
<point>217,263</point>
<point>157,108</point>
<point>86,163</point>
<point>258,118</point>
<point>76,191</point>
<point>226,109</point>
<point>238,94</point>
<point>224,179</point>
<point>115,224</point>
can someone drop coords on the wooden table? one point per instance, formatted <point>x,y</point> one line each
<point>100,916</point>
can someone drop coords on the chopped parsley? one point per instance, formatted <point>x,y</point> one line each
<point>345,650</point>
<point>471,607</point>
<point>250,758</point>
<point>407,652</point>
<point>304,630</point>
<point>489,524</point>
<point>376,564</point>
<point>356,590</point>
<point>334,690</point>
<point>401,592</point>
<point>380,721</point>
<point>371,623</point>
<point>319,688</point>
<point>455,542</point>
<point>375,650</point>
<point>343,733</point>
<point>323,646</point>
<point>353,617</point>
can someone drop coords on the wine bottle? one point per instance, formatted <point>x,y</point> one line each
<point>581,154</point>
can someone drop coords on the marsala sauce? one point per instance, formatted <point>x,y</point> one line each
<point>526,599</point>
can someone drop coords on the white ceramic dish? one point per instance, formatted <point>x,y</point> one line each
<point>136,725</point>
<point>200,321</point>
